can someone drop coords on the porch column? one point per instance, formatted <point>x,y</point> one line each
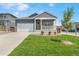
<point>41,24</point>
<point>34,24</point>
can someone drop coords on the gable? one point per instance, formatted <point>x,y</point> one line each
<point>45,15</point>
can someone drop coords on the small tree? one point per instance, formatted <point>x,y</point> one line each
<point>66,21</point>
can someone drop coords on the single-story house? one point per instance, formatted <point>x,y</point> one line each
<point>36,22</point>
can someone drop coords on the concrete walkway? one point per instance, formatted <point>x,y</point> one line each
<point>71,33</point>
<point>10,40</point>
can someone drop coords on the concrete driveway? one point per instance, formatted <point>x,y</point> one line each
<point>10,40</point>
<point>3,32</point>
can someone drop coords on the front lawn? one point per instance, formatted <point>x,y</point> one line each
<point>44,46</point>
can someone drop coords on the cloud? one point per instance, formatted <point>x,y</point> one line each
<point>8,5</point>
<point>22,7</point>
<point>51,4</point>
<point>16,14</point>
<point>18,7</point>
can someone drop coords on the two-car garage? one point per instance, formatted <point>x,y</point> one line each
<point>24,25</point>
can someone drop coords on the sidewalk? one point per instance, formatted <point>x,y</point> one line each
<point>70,33</point>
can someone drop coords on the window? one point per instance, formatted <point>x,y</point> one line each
<point>47,23</point>
<point>5,16</point>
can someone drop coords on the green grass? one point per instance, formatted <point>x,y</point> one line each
<point>43,46</point>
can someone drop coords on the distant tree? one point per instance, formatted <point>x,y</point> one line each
<point>66,21</point>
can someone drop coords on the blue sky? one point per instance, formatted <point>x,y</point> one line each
<point>57,9</point>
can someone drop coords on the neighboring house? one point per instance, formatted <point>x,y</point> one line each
<point>7,22</point>
<point>77,26</point>
<point>36,22</point>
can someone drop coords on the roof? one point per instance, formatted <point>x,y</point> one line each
<point>45,15</point>
<point>8,14</point>
<point>33,15</point>
<point>42,15</point>
<point>29,17</point>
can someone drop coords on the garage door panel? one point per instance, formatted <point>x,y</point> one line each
<point>25,27</point>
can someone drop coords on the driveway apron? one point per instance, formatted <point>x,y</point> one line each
<point>10,41</point>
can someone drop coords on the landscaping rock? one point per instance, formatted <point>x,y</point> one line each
<point>67,43</point>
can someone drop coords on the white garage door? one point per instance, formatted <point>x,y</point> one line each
<point>25,27</point>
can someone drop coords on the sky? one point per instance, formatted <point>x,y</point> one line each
<point>26,9</point>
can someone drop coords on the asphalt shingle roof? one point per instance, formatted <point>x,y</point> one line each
<point>35,15</point>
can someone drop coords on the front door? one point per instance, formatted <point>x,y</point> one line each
<point>38,27</point>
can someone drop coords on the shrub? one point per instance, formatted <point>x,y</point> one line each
<point>54,33</point>
<point>56,40</point>
<point>42,32</point>
<point>49,33</point>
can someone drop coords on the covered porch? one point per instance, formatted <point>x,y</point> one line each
<point>43,24</point>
